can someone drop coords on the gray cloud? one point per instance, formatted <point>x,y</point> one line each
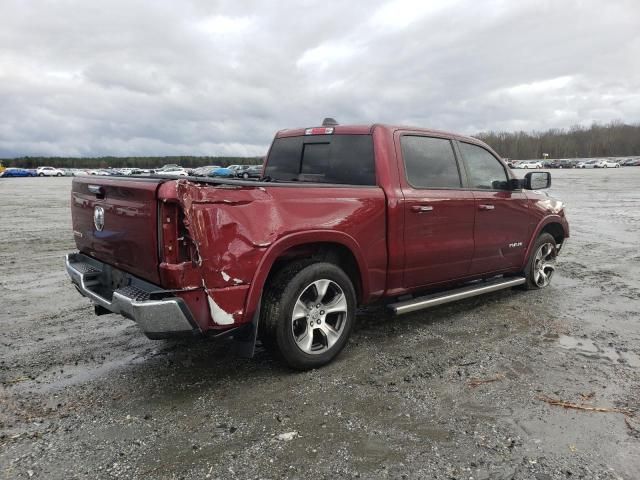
<point>215,78</point>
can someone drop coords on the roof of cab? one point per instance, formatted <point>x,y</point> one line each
<point>368,129</point>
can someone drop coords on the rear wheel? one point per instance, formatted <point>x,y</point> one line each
<point>308,313</point>
<point>542,263</point>
<point>245,175</point>
<point>41,174</point>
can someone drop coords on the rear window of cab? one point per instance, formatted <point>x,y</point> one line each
<point>337,159</point>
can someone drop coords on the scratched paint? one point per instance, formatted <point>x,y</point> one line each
<point>218,314</point>
<point>233,227</point>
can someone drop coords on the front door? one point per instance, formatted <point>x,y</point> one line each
<point>502,217</point>
<point>438,212</point>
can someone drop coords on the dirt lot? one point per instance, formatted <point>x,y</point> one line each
<point>449,393</point>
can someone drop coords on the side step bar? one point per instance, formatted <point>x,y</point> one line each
<point>473,290</point>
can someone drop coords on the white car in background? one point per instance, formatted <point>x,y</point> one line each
<point>49,172</point>
<point>610,164</point>
<point>530,164</point>
<point>173,172</point>
<point>589,164</point>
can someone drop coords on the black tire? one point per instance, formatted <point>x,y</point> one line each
<point>535,281</point>
<point>277,324</point>
<point>245,175</point>
<point>41,174</point>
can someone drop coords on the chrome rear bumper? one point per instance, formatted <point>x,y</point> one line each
<point>157,313</point>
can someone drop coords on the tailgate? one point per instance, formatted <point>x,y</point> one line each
<point>116,221</point>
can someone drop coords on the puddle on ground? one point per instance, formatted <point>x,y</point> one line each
<point>588,348</point>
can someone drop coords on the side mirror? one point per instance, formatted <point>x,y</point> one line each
<point>516,184</point>
<point>537,180</point>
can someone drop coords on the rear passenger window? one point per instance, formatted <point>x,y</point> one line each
<point>485,171</point>
<point>430,162</point>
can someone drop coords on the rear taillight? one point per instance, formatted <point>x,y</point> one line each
<point>176,245</point>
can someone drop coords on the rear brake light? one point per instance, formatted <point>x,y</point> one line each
<point>319,131</point>
<point>176,246</point>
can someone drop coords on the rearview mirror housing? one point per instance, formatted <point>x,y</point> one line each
<point>516,184</point>
<point>537,180</point>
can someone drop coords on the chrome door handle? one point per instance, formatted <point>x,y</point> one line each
<point>486,207</point>
<point>421,208</point>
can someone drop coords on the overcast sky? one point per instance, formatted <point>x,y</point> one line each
<point>220,77</point>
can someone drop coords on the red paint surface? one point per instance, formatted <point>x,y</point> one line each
<point>221,241</point>
<point>129,240</point>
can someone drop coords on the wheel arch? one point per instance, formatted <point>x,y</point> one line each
<point>330,246</point>
<point>555,225</point>
<point>556,230</point>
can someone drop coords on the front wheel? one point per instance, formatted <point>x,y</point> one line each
<point>307,314</point>
<point>542,263</point>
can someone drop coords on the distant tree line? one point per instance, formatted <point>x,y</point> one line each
<point>120,162</point>
<point>615,139</point>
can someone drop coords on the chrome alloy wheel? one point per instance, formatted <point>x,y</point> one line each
<point>544,264</point>
<point>319,316</point>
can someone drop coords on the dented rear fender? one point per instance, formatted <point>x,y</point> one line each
<point>240,231</point>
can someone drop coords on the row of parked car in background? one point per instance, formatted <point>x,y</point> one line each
<point>232,171</point>
<point>33,172</point>
<point>255,171</point>
<point>576,163</point>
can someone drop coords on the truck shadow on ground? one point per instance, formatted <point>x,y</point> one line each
<point>163,368</point>
<point>178,364</point>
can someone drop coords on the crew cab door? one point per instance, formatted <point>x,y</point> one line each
<point>502,217</point>
<point>438,212</point>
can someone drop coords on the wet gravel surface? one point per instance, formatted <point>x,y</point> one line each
<point>449,393</point>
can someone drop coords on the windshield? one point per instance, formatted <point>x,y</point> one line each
<point>341,159</point>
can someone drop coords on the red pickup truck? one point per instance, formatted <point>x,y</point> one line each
<point>342,216</point>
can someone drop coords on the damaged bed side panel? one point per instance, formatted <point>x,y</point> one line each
<point>232,228</point>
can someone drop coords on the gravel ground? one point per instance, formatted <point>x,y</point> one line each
<point>448,393</point>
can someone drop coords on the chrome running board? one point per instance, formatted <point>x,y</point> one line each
<point>473,290</point>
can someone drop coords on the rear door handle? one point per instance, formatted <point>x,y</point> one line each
<point>486,207</point>
<point>421,208</point>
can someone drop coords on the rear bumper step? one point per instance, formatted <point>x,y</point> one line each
<point>157,315</point>
<point>441,298</point>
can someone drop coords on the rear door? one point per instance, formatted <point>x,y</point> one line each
<point>438,212</point>
<point>502,227</point>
